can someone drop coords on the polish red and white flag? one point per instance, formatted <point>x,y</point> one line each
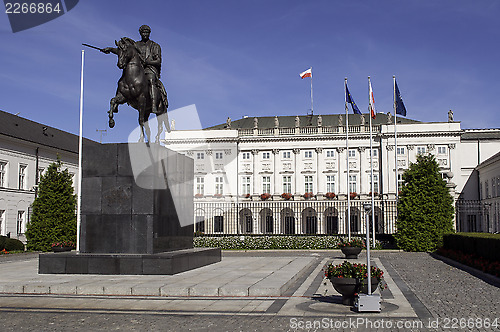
<point>372,101</point>
<point>307,73</point>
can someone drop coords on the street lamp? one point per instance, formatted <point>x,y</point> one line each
<point>368,302</point>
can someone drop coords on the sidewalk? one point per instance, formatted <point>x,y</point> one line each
<point>282,284</point>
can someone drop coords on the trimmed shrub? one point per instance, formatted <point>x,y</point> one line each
<point>54,215</point>
<point>425,207</point>
<point>2,242</point>
<point>479,244</point>
<point>237,242</point>
<point>13,245</point>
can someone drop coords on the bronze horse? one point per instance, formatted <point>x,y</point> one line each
<point>133,89</point>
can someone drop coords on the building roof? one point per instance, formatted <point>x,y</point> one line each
<point>490,160</point>
<point>328,120</point>
<point>481,134</point>
<point>17,127</point>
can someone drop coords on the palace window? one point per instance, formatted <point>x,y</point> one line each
<point>219,224</point>
<point>200,224</point>
<point>353,183</point>
<point>286,155</point>
<point>287,183</point>
<point>200,155</point>
<point>266,155</point>
<point>308,183</point>
<point>308,154</point>
<point>21,226</point>
<point>245,185</point>
<point>200,185</point>
<point>375,183</point>
<point>400,151</point>
<point>218,155</point>
<point>441,149</point>
<point>245,155</point>
<point>330,183</point>
<point>330,153</point>
<point>420,149</point>
<point>22,176</point>
<point>400,182</point>
<point>2,220</point>
<point>219,185</point>
<point>266,184</point>
<point>375,153</point>
<point>3,174</point>
<point>352,153</point>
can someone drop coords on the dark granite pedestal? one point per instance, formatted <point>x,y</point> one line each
<point>165,263</point>
<point>137,214</point>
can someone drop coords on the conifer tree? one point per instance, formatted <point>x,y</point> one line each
<point>53,211</point>
<point>425,207</point>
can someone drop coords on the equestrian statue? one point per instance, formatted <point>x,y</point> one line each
<point>140,85</point>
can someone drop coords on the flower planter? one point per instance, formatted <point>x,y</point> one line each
<point>61,249</point>
<point>348,287</point>
<point>351,252</point>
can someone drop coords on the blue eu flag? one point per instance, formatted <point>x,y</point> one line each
<point>400,106</point>
<point>350,100</point>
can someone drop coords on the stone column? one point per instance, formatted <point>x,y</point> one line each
<point>276,153</point>
<point>296,172</point>
<point>319,152</point>
<point>362,158</point>
<point>255,154</point>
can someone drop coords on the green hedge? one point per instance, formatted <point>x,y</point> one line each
<point>480,244</point>
<point>10,244</point>
<point>237,242</point>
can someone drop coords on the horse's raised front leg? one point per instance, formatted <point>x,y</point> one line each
<point>113,107</point>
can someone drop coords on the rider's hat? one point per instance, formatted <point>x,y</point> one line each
<point>144,28</point>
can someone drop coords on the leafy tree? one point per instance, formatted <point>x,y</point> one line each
<point>54,210</point>
<point>425,207</point>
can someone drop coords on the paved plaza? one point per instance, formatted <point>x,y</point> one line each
<point>249,291</point>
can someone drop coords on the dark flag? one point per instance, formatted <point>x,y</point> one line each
<point>350,100</point>
<point>400,106</point>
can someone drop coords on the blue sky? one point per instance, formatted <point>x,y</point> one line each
<point>235,58</point>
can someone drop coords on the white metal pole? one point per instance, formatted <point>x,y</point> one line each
<point>80,145</point>
<point>368,265</point>
<point>312,110</point>
<point>370,102</point>
<point>395,145</point>
<point>347,159</point>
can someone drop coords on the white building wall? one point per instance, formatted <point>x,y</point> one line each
<point>13,199</point>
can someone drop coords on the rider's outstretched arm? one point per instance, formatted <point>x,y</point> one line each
<point>108,50</point>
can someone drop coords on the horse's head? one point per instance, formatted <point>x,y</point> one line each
<point>126,51</point>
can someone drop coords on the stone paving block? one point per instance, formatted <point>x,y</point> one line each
<point>36,288</point>
<point>176,289</point>
<point>12,288</point>
<point>63,288</point>
<point>90,289</point>
<point>203,290</point>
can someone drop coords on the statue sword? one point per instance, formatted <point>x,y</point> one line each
<point>94,47</point>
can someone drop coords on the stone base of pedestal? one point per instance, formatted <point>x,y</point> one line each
<point>165,263</point>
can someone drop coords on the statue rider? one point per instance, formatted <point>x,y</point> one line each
<point>150,54</point>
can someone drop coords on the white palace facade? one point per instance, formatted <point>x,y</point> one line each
<point>288,175</point>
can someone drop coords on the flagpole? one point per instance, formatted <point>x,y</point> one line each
<point>312,111</point>
<point>371,109</point>
<point>80,144</point>
<point>395,143</point>
<point>347,159</point>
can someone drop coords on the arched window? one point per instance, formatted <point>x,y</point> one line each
<point>309,221</point>
<point>331,219</point>
<point>266,220</point>
<point>287,221</point>
<point>246,221</point>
